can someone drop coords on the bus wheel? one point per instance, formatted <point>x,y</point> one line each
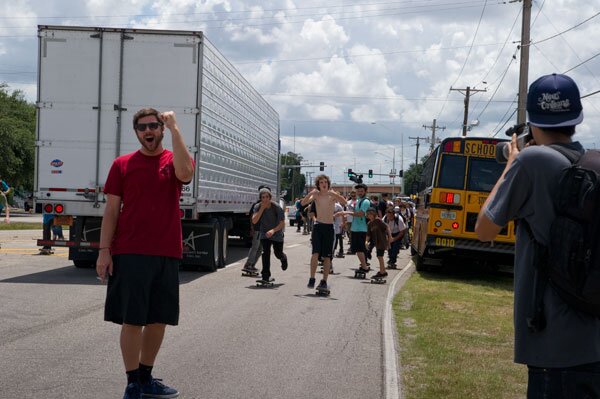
<point>420,263</point>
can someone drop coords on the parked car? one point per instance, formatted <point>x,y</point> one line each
<point>22,200</point>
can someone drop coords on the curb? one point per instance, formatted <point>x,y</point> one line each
<point>392,386</point>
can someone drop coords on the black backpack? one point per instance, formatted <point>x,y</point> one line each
<point>571,262</point>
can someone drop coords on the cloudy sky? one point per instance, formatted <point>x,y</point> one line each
<point>354,81</point>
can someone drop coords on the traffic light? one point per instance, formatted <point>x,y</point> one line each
<point>321,166</point>
<point>401,173</point>
<point>370,173</point>
<point>350,173</point>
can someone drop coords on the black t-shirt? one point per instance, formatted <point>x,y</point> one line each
<point>382,206</point>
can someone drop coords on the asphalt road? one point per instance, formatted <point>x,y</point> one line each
<point>234,340</point>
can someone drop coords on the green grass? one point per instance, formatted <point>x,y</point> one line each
<point>456,337</point>
<point>20,226</point>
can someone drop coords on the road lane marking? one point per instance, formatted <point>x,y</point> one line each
<point>292,246</point>
<point>390,354</point>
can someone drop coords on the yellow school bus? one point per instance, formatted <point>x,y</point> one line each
<point>455,182</point>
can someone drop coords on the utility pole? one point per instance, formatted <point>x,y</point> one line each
<point>524,66</point>
<point>418,143</point>
<point>433,128</point>
<point>468,92</point>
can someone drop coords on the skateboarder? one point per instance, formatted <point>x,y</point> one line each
<point>270,219</point>
<point>323,233</point>
<point>255,252</point>
<point>378,234</point>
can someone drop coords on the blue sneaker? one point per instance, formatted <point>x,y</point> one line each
<point>133,391</point>
<point>156,389</point>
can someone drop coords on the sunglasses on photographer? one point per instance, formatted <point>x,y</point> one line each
<point>141,127</point>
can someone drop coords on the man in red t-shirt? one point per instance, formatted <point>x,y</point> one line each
<point>140,247</point>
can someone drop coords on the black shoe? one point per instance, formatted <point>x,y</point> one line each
<point>323,285</point>
<point>340,255</point>
<point>284,264</point>
<point>311,282</point>
<point>380,275</point>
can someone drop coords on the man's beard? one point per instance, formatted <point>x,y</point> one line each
<point>151,146</point>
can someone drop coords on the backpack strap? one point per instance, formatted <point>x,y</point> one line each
<point>536,322</point>
<point>571,154</point>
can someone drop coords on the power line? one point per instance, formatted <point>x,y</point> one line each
<point>581,63</point>
<point>361,12</point>
<point>503,116</point>
<point>466,59</point>
<point>399,98</point>
<point>514,57</point>
<point>565,31</point>
<point>364,55</point>
<point>483,80</point>
<point>217,12</point>
<point>229,26</point>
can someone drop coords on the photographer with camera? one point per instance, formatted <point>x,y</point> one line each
<point>559,343</point>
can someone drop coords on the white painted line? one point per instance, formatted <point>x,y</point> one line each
<point>390,355</point>
<point>293,245</point>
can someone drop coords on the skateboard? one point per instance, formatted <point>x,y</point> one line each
<point>265,284</point>
<point>46,252</point>
<point>360,273</point>
<point>378,280</point>
<point>322,291</point>
<point>249,273</point>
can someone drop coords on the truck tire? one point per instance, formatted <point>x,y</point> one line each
<point>214,248</point>
<point>84,264</point>
<point>225,224</point>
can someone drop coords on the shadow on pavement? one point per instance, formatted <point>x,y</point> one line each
<point>256,287</point>
<point>316,296</point>
<point>79,276</point>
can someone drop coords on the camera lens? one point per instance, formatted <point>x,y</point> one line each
<point>502,152</point>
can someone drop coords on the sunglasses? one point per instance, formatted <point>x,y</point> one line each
<point>141,127</point>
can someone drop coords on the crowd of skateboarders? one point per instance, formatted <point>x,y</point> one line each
<point>369,224</point>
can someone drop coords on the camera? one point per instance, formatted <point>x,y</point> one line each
<point>523,137</point>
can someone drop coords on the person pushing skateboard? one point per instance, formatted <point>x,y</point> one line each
<point>270,219</point>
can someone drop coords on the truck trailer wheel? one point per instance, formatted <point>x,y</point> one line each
<point>214,249</point>
<point>225,224</point>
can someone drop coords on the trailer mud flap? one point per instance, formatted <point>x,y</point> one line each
<point>86,232</point>
<point>198,244</point>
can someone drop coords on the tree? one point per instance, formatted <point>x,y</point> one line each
<point>291,179</point>
<point>412,177</point>
<point>17,135</point>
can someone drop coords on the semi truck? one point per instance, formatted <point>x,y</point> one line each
<point>92,80</point>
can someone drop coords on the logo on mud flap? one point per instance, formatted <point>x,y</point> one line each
<point>57,163</point>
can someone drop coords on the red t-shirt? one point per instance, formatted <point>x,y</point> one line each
<point>149,222</point>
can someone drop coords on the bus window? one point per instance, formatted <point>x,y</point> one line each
<point>452,172</point>
<point>427,173</point>
<point>483,174</point>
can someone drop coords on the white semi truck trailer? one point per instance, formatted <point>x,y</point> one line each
<point>90,83</point>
